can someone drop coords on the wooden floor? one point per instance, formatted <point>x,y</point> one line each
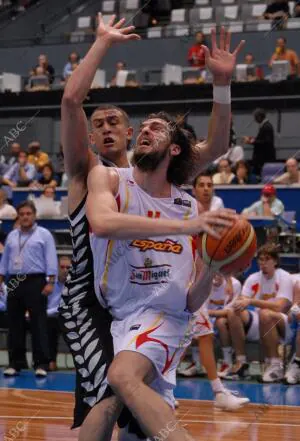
<point>44,415</point>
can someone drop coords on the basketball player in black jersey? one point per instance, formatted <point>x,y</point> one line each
<point>85,324</point>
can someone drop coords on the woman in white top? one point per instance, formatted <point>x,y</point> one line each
<point>7,211</point>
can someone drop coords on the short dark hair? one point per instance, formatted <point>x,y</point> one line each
<point>28,204</point>
<point>270,250</point>
<point>110,107</point>
<point>243,164</point>
<point>282,38</point>
<point>182,165</point>
<point>260,113</point>
<point>204,174</point>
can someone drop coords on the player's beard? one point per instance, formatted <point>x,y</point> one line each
<point>148,161</point>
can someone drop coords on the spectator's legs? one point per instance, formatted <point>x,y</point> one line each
<point>53,335</point>
<point>36,305</point>
<point>16,328</point>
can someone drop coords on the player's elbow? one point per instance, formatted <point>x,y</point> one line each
<point>102,227</point>
<point>70,100</point>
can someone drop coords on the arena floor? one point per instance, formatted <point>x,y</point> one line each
<point>41,409</point>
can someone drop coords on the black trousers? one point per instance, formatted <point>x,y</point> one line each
<point>53,336</point>
<point>25,294</point>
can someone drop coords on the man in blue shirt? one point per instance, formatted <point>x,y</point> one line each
<point>64,264</point>
<point>29,257</point>
<point>21,173</point>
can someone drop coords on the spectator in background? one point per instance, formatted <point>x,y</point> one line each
<point>283,54</point>
<point>224,175</point>
<point>29,257</point>
<point>7,211</point>
<point>48,69</point>
<point>15,149</point>
<point>297,9</point>
<point>235,152</point>
<point>121,65</point>
<point>264,148</point>
<point>38,80</point>
<point>242,175</point>
<point>64,264</point>
<point>257,73</point>
<point>73,59</point>
<point>196,54</point>
<point>46,206</point>
<point>20,174</point>
<point>203,190</point>
<point>181,121</point>
<point>58,164</point>
<point>47,179</point>
<point>278,11</point>
<point>37,156</point>
<point>292,175</point>
<point>268,205</point>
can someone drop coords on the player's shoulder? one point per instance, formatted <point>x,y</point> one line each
<point>253,278</point>
<point>283,274</point>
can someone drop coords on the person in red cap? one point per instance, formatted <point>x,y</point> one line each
<point>268,205</point>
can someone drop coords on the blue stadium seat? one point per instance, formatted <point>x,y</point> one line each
<point>271,170</point>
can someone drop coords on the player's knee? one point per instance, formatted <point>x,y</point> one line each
<point>265,316</point>
<point>221,323</point>
<point>120,380</point>
<point>231,314</point>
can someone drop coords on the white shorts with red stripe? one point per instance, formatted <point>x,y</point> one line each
<point>202,325</point>
<point>160,337</point>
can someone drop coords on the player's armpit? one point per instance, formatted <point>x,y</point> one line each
<point>74,138</point>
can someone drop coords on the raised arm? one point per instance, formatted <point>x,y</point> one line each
<point>221,63</point>
<point>74,134</point>
<point>106,221</point>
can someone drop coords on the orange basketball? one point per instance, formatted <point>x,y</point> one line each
<point>233,252</point>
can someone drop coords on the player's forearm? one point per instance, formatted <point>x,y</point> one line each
<point>264,304</point>
<point>81,79</point>
<point>200,289</point>
<point>127,226</point>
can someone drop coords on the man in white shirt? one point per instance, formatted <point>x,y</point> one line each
<point>203,190</point>
<point>7,211</point>
<point>270,292</point>
<point>292,175</point>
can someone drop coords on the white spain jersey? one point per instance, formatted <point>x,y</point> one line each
<point>154,272</point>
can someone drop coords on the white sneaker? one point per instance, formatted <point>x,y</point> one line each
<point>292,375</point>
<point>224,369</point>
<point>40,372</point>
<point>273,373</point>
<point>176,404</point>
<point>190,371</point>
<point>228,400</point>
<point>10,372</point>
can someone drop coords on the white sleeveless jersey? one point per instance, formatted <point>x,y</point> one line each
<point>154,272</point>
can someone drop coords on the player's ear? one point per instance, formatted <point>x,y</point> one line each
<point>129,133</point>
<point>193,192</point>
<point>175,150</point>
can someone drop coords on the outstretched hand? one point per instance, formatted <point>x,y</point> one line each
<point>115,33</point>
<point>220,61</point>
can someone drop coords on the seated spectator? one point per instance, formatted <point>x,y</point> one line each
<point>235,152</point>
<point>258,73</point>
<point>292,175</point>
<point>224,175</point>
<point>268,205</point>
<point>38,80</point>
<point>47,179</point>
<point>121,65</point>
<point>48,69</point>
<point>73,59</point>
<point>15,149</point>
<point>282,53</point>
<point>20,174</point>
<point>196,54</point>
<point>65,80</point>
<point>278,11</point>
<point>46,206</point>
<point>297,9</point>
<point>292,375</point>
<point>203,190</point>
<point>7,211</point>
<point>64,264</point>
<point>37,156</point>
<point>270,292</point>
<point>223,293</point>
<point>242,175</point>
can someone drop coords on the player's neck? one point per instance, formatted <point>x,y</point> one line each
<point>270,275</point>
<point>154,183</point>
<point>120,161</point>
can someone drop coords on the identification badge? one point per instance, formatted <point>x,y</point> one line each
<point>18,263</point>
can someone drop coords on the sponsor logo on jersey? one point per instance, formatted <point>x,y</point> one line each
<point>153,275</point>
<point>167,246</point>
